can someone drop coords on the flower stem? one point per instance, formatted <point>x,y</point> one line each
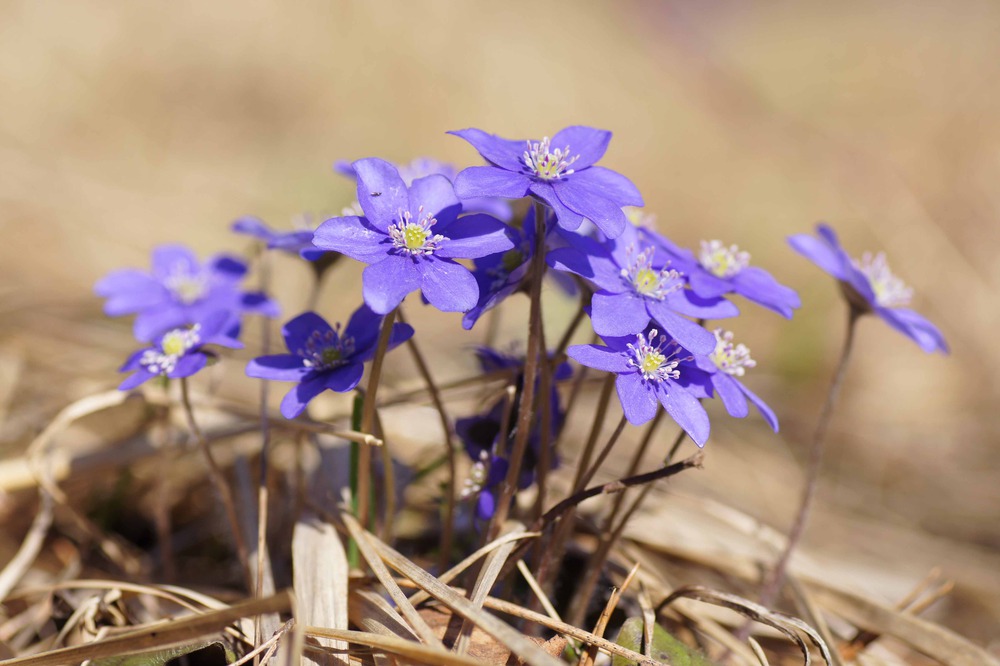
<point>773,583</point>
<point>364,495</point>
<point>525,409</point>
<point>219,481</point>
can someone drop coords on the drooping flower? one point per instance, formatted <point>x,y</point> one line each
<point>181,291</point>
<point>724,367</point>
<point>635,284</point>
<point>179,352</point>
<point>324,357</point>
<point>428,166</point>
<point>410,237</point>
<point>649,372</point>
<point>869,286</point>
<point>297,241</point>
<point>560,172</point>
<point>718,269</point>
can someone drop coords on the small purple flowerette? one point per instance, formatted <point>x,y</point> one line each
<point>324,357</point>
<point>410,237</point>
<point>181,291</point>
<point>179,352</point>
<point>636,284</point>
<point>869,286</point>
<point>560,173</point>
<point>298,241</point>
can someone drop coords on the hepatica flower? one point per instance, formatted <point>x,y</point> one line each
<point>179,352</point>
<point>650,373</point>
<point>719,269</point>
<point>410,237</point>
<point>298,241</point>
<point>560,172</point>
<point>634,284</point>
<point>324,357</point>
<point>869,286</point>
<point>180,291</point>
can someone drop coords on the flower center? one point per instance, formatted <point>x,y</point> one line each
<point>890,291</point>
<point>722,261</point>
<point>655,358</point>
<point>173,345</point>
<point>415,238</point>
<point>186,287</point>
<point>326,350</point>
<point>643,279</point>
<point>729,358</point>
<point>546,163</point>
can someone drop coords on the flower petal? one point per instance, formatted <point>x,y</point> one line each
<point>475,236</point>
<point>637,397</point>
<point>685,409</point>
<point>277,367</point>
<point>297,330</point>
<point>696,339</point>
<point>352,236</point>
<point>599,358</point>
<point>170,259</point>
<point>605,213</point>
<point>344,378</point>
<point>619,314</point>
<point>490,181</point>
<point>567,218</point>
<point>759,286</point>
<point>129,291</point>
<point>705,284</point>
<point>610,185</point>
<point>381,191</point>
<point>139,377</point>
<point>686,302</point>
<point>916,327</point>
<point>295,401</point>
<point>761,406</point>
<point>436,196</point>
<point>188,364</point>
<point>363,326</point>
<point>828,257</point>
<point>732,397</point>
<point>587,142</point>
<point>501,152</point>
<point>448,286</point>
<point>385,284</point>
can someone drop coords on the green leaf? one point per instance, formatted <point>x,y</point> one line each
<point>665,648</point>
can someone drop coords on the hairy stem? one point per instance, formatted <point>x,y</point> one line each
<point>368,422</point>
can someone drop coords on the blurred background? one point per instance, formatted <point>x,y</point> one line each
<point>126,125</point>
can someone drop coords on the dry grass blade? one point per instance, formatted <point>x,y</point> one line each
<point>539,593</point>
<point>30,547</point>
<point>320,570</point>
<point>374,614</point>
<point>369,552</point>
<point>484,583</point>
<point>395,646</point>
<point>758,651</point>
<point>504,633</point>
<point>160,634</point>
<point>926,637</point>
<point>587,659</point>
<point>786,624</point>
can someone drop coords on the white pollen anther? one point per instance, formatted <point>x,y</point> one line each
<point>722,261</point>
<point>644,280</point>
<point>890,291</point>
<point>415,238</point>
<point>173,345</point>
<point>546,163</point>
<point>327,349</point>
<point>655,358</point>
<point>729,358</point>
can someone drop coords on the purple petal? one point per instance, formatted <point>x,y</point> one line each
<point>188,364</point>
<point>475,236</point>
<point>567,218</point>
<point>256,302</point>
<point>732,397</point>
<point>140,377</point>
<point>688,334</point>
<point>297,331</point>
<point>381,191</point>
<point>599,358</point>
<point>686,302</point>
<point>129,291</point>
<point>605,213</point>
<point>385,284</point>
<point>705,284</point>
<point>819,251</point>
<point>490,181</point>
<point>252,226</point>
<point>685,409</point>
<point>589,143</point>
<point>449,287</point>
<point>637,397</point>
<point>501,152</point>
<point>620,314</point>
<point>436,195</point>
<point>169,259</point>
<point>593,265</point>
<point>277,367</point>
<point>352,236</point>
<point>344,378</point>
<point>227,267</point>
<point>150,325</point>
<point>363,326</point>
<point>295,401</point>
<point>916,327</point>
<point>761,406</point>
<point>759,286</point>
<point>610,185</point>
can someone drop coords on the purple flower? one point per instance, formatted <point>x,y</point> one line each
<point>635,285</point>
<point>428,166</point>
<point>869,286</point>
<point>297,242</point>
<point>649,371</point>
<point>180,291</point>
<point>410,237</point>
<point>719,270</point>
<point>723,366</point>
<point>560,173</point>
<point>179,352</point>
<point>324,357</point>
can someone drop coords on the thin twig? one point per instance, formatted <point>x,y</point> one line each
<point>602,622</point>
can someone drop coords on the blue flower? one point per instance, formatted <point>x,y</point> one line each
<point>297,242</point>
<point>179,352</point>
<point>869,286</point>
<point>410,237</point>
<point>719,270</point>
<point>559,172</point>
<point>635,284</point>
<point>649,372</point>
<point>324,357</point>
<point>181,291</point>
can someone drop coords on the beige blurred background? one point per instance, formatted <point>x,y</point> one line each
<point>124,125</point>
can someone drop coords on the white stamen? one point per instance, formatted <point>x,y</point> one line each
<point>173,345</point>
<point>890,291</point>
<point>722,261</point>
<point>326,350</point>
<point>646,281</point>
<point>186,287</point>
<point>729,358</point>
<point>546,163</point>
<point>655,358</point>
<point>415,238</point>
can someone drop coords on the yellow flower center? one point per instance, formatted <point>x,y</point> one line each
<point>647,281</point>
<point>414,236</point>
<point>175,343</point>
<point>652,361</point>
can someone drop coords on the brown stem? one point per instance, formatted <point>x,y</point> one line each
<point>368,421</point>
<point>265,446</point>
